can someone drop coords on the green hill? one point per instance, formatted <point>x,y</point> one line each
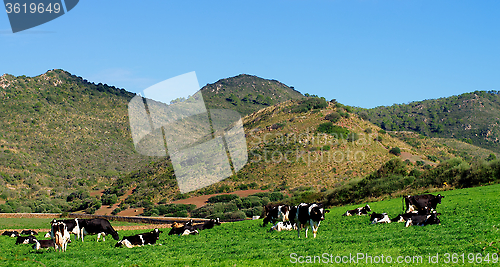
<point>63,136</point>
<point>61,133</point>
<point>247,94</point>
<point>470,117</point>
<point>287,152</point>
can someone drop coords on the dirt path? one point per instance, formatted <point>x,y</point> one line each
<point>106,210</point>
<point>202,200</point>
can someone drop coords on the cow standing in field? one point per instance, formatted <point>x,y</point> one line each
<point>358,211</point>
<point>61,235</point>
<point>275,213</point>
<point>308,215</point>
<point>140,239</point>
<point>421,203</point>
<point>101,227</point>
<point>73,226</point>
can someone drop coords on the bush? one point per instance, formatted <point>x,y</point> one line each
<point>222,198</point>
<point>329,128</point>
<point>255,211</point>
<point>333,117</point>
<point>395,150</point>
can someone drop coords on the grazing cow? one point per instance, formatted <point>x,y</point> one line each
<point>25,240</point>
<point>61,235</point>
<point>423,220</point>
<point>48,235</point>
<point>206,225</point>
<point>140,239</point>
<point>282,226</point>
<point>73,226</point>
<point>28,232</point>
<point>275,213</point>
<point>311,214</point>
<point>421,203</point>
<point>11,233</point>
<point>44,244</point>
<point>379,218</point>
<point>358,211</point>
<point>101,227</point>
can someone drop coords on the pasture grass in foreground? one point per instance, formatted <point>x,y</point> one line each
<point>469,224</point>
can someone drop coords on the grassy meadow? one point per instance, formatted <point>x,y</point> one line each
<point>470,222</point>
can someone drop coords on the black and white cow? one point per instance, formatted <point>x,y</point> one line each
<point>275,213</point>
<point>11,233</point>
<point>379,218</point>
<point>308,215</point>
<point>421,203</point>
<point>186,229</point>
<point>25,240</point>
<point>206,225</point>
<point>44,244</point>
<point>61,235</point>
<point>73,226</point>
<point>358,211</point>
<point>101,227</point>
<point>404,217</point>
<point>140,239</point>
<point>28,232</point>
<point>282,226</point>
<point>423,220</point>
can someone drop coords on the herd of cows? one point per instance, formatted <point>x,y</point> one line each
<point>61,230</point>
<point>419,210</point>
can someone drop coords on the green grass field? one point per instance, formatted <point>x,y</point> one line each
<point>469,225</point>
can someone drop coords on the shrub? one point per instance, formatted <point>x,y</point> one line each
<point>432,158</point>
<point>395,150</point>
<point>222,198</point>
<point>329,128</point>
<point>333,117</point>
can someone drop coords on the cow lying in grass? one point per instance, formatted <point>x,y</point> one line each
<point>206,225</point>
<point>11,233</point>
<point>180,229</point>
<point>379,218</point>
<point>358,211</point>
<point>25,240</point>
<point>39,244</point>
<point>283,226</point>
<point>140,239</point>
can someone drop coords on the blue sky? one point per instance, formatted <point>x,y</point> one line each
<point>362,53</point>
